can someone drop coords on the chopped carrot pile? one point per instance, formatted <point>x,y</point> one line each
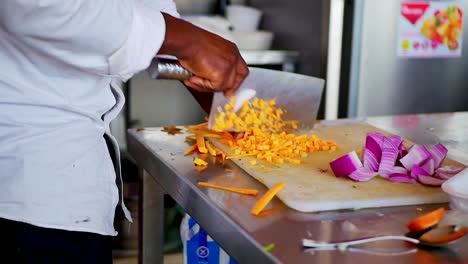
<point>258,114</point>
<point>267,197</point>
<point>230,189</point>
<point>265,133</point>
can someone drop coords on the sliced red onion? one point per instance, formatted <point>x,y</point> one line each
<point>438,154</point>
<point>431,181</point>
<point>403,152</point>
<point>373,151</point>
<point>428,166</point>
<point>377,137</point>
<point>399,170</point>
<point>397,141</point>
<point>362,174</point>
<point>389,157</point>
<point>416,156</point>
<point>346,164</point>
<point>447,172</point>
<point>370,160</point>
<point>417,170</point>
<point>401,178</point>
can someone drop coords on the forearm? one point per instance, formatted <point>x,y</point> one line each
<point>179,34</point>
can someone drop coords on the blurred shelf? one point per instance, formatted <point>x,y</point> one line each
<point>286,58</point>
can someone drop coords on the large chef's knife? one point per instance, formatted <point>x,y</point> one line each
<point>299,95</point>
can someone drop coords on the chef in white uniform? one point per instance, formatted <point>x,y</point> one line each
<point>61,61</point>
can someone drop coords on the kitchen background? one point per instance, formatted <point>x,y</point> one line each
<point>350,43</point>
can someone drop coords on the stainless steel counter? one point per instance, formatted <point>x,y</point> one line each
<point>226,216</point>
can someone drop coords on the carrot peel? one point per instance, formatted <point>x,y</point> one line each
<point>426,221</point>
<point>191,150</point>
<point>252,192</point>
<point>267,197</point>
<point>201,144</point>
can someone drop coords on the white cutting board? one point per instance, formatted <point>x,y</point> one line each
<point>309,189</point>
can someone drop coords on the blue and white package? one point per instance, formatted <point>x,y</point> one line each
<point>199,247</point>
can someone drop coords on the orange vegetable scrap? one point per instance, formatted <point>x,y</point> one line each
<point>426,221</point>
<point>252,192</point>
<point>201,144</point>
<point>191,150</point>
<point>265,133</point>
<point>199,162</point>
<point>172,130</point>
<point>267,197</point>
<point>211,148</point>
<point>202,126</point>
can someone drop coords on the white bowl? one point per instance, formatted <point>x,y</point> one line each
<point>253,40</point>
<point>457,189</point>
<point>215,24</point>
<point>243,18</point>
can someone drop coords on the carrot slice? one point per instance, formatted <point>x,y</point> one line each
<point>266,198</point>
<point>191,150</point>
<point>230,189</point>
<point>426,221</point>
<point>201,144</point>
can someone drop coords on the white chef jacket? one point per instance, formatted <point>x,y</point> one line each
<point>59,61</point>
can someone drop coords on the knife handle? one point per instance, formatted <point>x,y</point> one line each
<point>168,70</point>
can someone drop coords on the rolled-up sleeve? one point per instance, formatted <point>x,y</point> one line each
<point>107,37</point>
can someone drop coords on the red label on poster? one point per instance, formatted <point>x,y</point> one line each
<point>414,11</point>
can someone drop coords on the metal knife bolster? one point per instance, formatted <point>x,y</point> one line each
<point>168,69</point>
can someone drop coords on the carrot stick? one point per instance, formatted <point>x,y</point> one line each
<point>201,126</point>
<point>426,221</point>
<point>230,189</point>
<point>210,148</point>
<point>266,198</point>
<point>201,144</point>
<point>191,150</point>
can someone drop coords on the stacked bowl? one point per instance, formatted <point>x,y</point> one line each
<point>245,21</point>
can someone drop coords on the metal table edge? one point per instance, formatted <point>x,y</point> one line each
<point>247,250</point>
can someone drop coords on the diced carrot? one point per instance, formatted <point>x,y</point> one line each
<point>426,221</point>
<point>201,144</point>
<point>267,197</point>
<point>252,192</point>
<point>191,150</point>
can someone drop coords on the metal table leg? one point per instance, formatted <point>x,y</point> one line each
<point>151,206</point>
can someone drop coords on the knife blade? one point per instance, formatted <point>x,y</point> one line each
<point>298,95</point>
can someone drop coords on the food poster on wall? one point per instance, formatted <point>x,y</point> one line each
<point>430,29</point>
